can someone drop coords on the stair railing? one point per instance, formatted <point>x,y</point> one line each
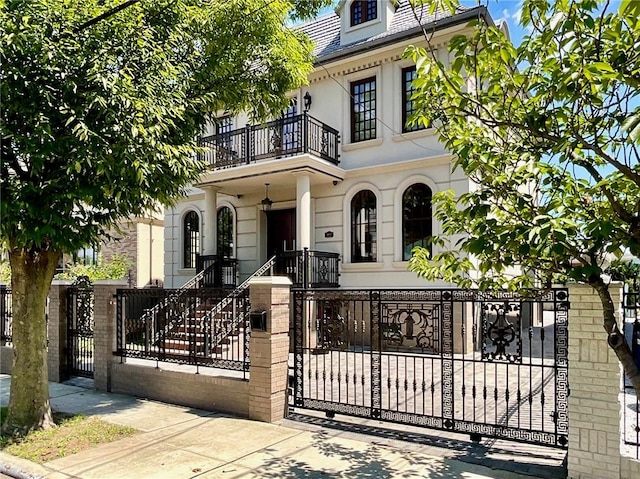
<point>151,312</point>
<point>226,329</point>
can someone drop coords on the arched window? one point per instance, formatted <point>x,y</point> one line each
<point>363,227</point>
<point>416,218</point>
<point>191,236</point>
<point>225,232</point>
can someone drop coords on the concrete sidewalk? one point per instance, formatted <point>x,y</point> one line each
<point>176,442</point>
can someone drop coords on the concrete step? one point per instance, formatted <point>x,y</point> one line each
<point>181,345</point>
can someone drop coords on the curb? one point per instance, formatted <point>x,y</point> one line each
<point>17,473</point>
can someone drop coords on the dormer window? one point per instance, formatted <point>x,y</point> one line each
<point>363,11</point>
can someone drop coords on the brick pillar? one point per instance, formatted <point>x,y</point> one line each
<point>269,349</point>
<point>594,379</point>
<point>57,331</point>
<point>104,333</point>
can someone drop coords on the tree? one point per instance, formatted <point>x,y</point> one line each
<point>101,103</point>
<point>548,132</point>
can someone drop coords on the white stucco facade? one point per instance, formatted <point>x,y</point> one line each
<point>322,192</point>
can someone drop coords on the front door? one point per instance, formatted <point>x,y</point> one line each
<point>281,231</point>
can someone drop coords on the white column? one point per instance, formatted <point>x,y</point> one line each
<point>210,224</point>
<point>303,211</point>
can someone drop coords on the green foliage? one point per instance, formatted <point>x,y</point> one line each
<point>99,118</point>
<point>116,268</point>
<point>5,272</point>
<point>550,142</point>
<point>102,103</point>
<point>627,271</point>
<point>72,434</point>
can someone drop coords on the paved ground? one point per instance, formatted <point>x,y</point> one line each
<point>177,442</point>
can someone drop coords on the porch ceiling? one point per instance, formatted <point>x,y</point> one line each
<point>279,173</point>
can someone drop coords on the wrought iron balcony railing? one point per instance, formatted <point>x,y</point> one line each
<point>309,269</point>
<point>219,271</point>
<point>276,139</point>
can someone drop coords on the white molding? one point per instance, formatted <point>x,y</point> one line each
<point>346,221</point>
<point>362,144</point>
<point>397,212</point>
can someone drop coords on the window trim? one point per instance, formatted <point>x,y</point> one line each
<point>183,224</point>
<point>368,223</point>
<point>407,99</point>
<point>352,103</point>
<point>398,215</point>
<point>233,227</point>
<point>412,218</point>
<point>346,222</point>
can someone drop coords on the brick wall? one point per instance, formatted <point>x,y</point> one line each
<point>57,330</point>
<point>201,391</point>
<point>594,379</point>
<point>269,349</point>
<point>6,359</point>
<point>125,243</point>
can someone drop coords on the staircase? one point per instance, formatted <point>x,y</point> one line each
<point>214,331</point>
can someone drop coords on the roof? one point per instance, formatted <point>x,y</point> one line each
<point>324,31</point>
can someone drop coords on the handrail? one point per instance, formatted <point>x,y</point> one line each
<point>275,139</point>
<point>219,308</point>
<point>148,314</point>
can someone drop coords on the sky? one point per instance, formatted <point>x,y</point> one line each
<point>507,10</point>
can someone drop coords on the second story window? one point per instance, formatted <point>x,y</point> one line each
<point>363,110</point>
<point>224,126</point>
<point>408,105</point>
<point>363,11</point>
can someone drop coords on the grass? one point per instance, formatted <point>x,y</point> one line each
<point>71,434</point>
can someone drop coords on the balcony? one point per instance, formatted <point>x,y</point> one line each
<point>282,138</point>
<point>309,269</point>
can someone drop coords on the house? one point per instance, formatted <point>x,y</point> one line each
<point>138,240</point>
<point>339,174</point>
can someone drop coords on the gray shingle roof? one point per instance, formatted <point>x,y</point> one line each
<point>324,31</point>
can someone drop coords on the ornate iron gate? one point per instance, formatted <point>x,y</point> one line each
<point>485,364</point>
<point>80,328</point>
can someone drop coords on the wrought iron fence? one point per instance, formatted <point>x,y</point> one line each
<point>80,328</point>
<point>493,365</point>
<point>6,315</point>
<point>309,269</point>
<point>160,325</point>
<point>275,139</point>
<point>630,403</point>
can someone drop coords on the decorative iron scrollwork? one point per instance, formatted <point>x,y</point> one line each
<point>331,326</point>
<point>323,269</point>
<point>501,329</point>
<point>324,142</point>
<point>411,326</point>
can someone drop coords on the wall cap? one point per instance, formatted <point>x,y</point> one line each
<point>110,282</point>
<point>272,280</point>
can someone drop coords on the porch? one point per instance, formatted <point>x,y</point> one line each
<point>307,269</point>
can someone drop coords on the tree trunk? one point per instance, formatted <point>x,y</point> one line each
<point>31,275</point>
<point>615,337</point>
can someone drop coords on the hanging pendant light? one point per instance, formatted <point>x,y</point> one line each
<point>266,202</point>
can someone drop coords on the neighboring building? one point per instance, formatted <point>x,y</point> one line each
<point>140,240</point>
<point>345,174</point>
